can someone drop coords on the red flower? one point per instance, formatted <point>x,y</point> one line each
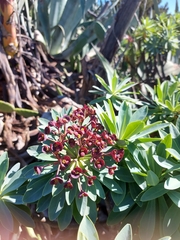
<point>68,184</point>
<point>47,130</point>
<point>99,163</point>
<point>91,180</point>
<point>52,123</point>
<point>46,149</point>
<point>83,194</point>
<point>95,152</point>
<point>41,137</point>
<point>64,161</point>
<point>117,155</point>
<point>83,151</point>
<point>57,147</point>
<point>56,180</point>
<point>72,142</point>
<point>111,170</point>
<point>75,173</point>
<point>38,169</point>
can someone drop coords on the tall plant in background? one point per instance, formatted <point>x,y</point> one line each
<point>152,48</point>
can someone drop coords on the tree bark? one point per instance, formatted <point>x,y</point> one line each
<point>8,26</point>
<point>118,29</point>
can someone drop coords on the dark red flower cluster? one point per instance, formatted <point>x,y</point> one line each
<point>78,142</point>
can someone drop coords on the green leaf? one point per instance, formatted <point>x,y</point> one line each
<point>103,83</point>
<point>114,82</point>
<point>169,105</point>
<point>10,173</point>
<point>6,107</point>
<point>163,162</point>
<point>154,192</point>
<point>76,213</point>
<point>47,188</point>
<point>165,143</point>
<point>172,183</point>
<point>127,203</point>
<point>123,118</point>
<point>152,179</point>
<point>171,221</point>
<point>43,203</point>
<point>99,189</point>
<point>110,110</point>
<point>147,223</point>
<point>65,217</point>
<point>165,238</point>
<point>109,123</point>
<point>20,213</point>
<point>125,233</point>
<point>123,174</point>
<point>150,129</point>
<point>56,11</point>
<point>172,88</point>
<point>6,218</point>
<point>174,153</point>
<point>118,198</point>
<point>99,30</point>
<point>132,129</point>
<point>92,206</point>
<point>175,197</point>
<point>4,165</point>
<point>117,217</point>
<point>46,157</point>
<point>159,93</point>
<point>16,199</point>
<point>87,230</point>
<point>15,182</point>
<point>70,194</point>
<point>139,114</point>
<point>112,185</point>
<point>57,189</point>
<point>175,134</point>
<point>91,190</point>
<point>81,204</point>
<point>109,70</point>
<point>26,112</point>
<point>35,189</point>
<point>56,205</point>
<point>44,122</point>
<point>34,150</point>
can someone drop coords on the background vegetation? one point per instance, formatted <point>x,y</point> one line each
<point>89,124</point>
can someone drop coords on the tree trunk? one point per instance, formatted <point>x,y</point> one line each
<point>109,47</point>
<point>118,29</point>
<point>8,26</point>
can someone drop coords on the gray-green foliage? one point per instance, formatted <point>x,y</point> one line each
<point>13,212</point>
<point>66,28</point>
<point>153,47</point>
<point>87,231</point>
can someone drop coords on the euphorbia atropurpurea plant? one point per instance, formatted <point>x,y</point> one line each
<point>78,157</point>
<point>81,156</point>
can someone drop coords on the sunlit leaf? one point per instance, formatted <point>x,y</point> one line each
<point>87,230</point>
<point>125,233</point>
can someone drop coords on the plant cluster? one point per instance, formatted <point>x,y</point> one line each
<point>151,48</point>
<point>79,145</point>
<point>107,151</point>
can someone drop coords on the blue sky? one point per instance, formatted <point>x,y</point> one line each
<point>171,4</point>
